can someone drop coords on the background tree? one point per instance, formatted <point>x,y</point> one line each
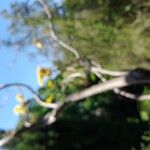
<point>110,32</point>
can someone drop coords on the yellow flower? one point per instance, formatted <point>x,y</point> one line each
<point>20,98</point>
<point>41,74</point>
<point>20,109</point>
<point>49,99</point>
<point>50,84</point>
<point>40,80</point>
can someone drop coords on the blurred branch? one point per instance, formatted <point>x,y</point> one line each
<point>72,77</point>
<point>99,72</point>
<point>132,96</point>
<point>52,33</point>
<point>118,82</point>
<point>96,67</point>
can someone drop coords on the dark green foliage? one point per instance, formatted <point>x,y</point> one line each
<point>80,134</point>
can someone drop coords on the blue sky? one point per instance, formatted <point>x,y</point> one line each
<point>23,70</point>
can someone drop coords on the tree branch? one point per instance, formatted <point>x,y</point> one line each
<point>119,82</point>
<point>52,116</point>
<point>52,33</point>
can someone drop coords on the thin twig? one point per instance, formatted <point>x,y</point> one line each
<point>38,100</point>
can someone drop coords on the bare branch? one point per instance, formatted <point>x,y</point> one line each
<point>119,91</point>
<point>131,95</point>
<point>71,77</point>
<point>7,139</point>
<point>96,67</point>
<point>99,72</point>
<point>108,85</point>
<point>52,33</point>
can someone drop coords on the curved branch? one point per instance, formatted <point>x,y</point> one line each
<point>71,77</point>
<point>98,68</point>
<point>37,97</point>
<point>119,82</point>
<point>52,33</point>
<point>121,92</point>
<point>109,72</point>
<point>131,95</point>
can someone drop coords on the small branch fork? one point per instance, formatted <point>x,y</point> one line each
<point>100,72</point>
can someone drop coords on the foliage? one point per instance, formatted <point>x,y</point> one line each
<point>110,32</point>
<point>117,31</point>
